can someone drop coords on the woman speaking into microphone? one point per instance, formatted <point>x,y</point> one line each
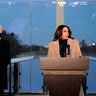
<point>63,45</point>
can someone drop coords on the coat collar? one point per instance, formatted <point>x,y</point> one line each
<point>69,41</point>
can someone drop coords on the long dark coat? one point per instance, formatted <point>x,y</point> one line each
<point>4,61</point>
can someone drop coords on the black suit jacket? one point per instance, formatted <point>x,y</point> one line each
<point>4,61</point>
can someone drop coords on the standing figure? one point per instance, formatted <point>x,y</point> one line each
<point>63,45</point>
<point>4,61</point>
<point>61,42</point>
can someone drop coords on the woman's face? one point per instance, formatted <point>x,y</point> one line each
<point>65,33</point>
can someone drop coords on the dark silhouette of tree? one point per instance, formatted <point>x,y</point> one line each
<point>15,47</point>
<point>87,50</point>
<point>83,43</point>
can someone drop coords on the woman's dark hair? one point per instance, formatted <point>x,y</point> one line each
<point>58,32</point>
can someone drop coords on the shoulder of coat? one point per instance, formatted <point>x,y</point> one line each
<point>54,42</point>
<point>72,40</point>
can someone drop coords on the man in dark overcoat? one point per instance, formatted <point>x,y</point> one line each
<point>4,61</point>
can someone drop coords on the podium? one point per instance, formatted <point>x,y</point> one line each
<point>63,76</point>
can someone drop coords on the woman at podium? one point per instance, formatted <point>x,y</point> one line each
<point>63,45</point>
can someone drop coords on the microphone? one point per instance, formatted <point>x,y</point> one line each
<point>68,49</point>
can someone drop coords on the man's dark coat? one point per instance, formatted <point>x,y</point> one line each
<point>4,61</point>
